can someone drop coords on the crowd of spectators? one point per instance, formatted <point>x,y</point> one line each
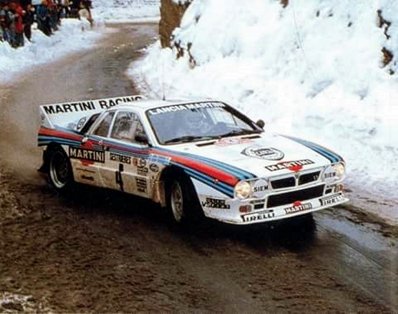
<point>18,16</point>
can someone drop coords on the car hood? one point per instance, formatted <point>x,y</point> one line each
<point>261,155</point>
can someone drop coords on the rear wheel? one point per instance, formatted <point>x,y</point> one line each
<point>59,170</point>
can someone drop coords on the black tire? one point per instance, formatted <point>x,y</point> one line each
<point>59,172</point>
<point>182,202</point>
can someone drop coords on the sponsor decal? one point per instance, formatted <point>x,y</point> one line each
<point>298,207</point>
<point>295,168</point>
<point>258,216</point>
<point>88,105</point>
<point>263,153</point>
<point>232,141</point>
<point>120,158</point>
<point>86,154</point>
<point>154,167</point>
<point>331,200</point>
<point>185,107</point>
<point>139,162</point>
<point>141,185</point>
<point>215,203</point>
<point>260,188</point>
<point>329,174</point>
<point>69,107</point>
<point>111,102</point>
<point>291,165</point>
<point>142,171</point>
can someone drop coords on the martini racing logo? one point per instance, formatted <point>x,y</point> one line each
<point>86,154</point>
<point>298,208</point>
<point>263,153</point>
<point>289,165</point>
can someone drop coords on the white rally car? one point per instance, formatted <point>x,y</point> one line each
<point>193,157</point>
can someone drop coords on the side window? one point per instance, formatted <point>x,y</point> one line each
<point>126,126</point>
<point>103,128</point>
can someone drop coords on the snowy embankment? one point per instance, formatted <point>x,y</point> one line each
<point>127,10</point>
<point>313,69</point>
<point>43,49</point>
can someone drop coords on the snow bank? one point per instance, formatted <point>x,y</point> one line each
<point>313,69</point>
<point>126,10</point>
<point>69,38</point>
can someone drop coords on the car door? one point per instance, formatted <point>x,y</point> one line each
<point>126,159</point>
<point>90,156</point>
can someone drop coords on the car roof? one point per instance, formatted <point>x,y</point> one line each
<point>146,104</point>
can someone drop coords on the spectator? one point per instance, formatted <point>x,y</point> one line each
<point>11,15</point>
<point>28,20</point>
<point>5,22</point>
<point>43,18</point>
<point>17,17</point>
<point>74,8</point>
<point>64,8</point>
<point>86,14</point>
<point>16,26</point>
<point>2,23</point>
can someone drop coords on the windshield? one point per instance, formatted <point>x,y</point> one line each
<point>198,121</point>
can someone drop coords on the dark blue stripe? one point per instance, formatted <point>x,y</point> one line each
<point>333,157</point>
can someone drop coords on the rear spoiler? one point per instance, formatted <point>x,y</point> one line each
<point>63,114</point>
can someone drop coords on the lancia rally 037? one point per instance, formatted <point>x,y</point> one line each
<point>194,158</point>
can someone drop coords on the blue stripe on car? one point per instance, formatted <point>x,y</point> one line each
<point>333,157</point>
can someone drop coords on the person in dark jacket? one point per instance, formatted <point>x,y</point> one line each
<point>28,20</point>
<point>43,18</point>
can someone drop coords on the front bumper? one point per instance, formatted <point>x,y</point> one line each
<point>275,206</point>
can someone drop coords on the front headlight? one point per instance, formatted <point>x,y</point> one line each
<point>340,170</point>
<point>334,173</point>
<point>243,189</point>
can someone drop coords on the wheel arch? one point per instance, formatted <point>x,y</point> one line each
<point>47,153</point>
<point>165,177</point>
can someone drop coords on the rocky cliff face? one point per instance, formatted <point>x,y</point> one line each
<point>171,13</point>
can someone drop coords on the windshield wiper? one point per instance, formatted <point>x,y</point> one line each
<point>187,138</point>
<point>239,132</point>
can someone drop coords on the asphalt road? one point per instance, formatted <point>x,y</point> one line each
<point>102,251</point>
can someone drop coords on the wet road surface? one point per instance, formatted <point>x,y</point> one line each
<point>102,251</point>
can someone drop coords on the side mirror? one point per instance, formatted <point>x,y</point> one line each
<point>260,123</point>
<point>141,138</point>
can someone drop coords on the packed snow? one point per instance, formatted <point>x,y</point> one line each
<point>44,49</point>
<point>313,69</point>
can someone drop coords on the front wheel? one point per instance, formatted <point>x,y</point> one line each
<point>177,202</point>
<point>59,170</point>
<point>182,201</point>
